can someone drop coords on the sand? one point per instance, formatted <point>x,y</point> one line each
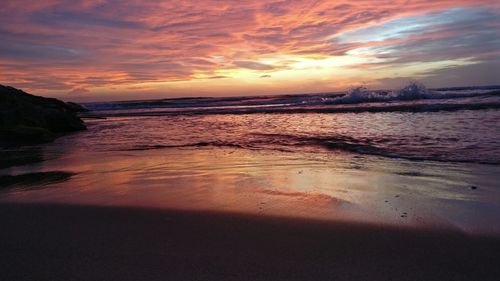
<point>65,242</point>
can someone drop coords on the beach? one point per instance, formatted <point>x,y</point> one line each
<point>257,196</point>
<point>250,140</point>
<point>71,242</point>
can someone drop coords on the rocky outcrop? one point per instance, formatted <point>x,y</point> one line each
<point>76,107</point>
<point>34,119</point>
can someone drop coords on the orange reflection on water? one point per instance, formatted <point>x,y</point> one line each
<point>333,187</point>
<point>204,179</point>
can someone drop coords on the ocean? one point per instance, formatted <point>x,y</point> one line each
<point>449,124</point>
<point>415,157</point>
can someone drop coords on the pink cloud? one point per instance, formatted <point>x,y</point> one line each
<point>78,91</point>
<point>62,44</point>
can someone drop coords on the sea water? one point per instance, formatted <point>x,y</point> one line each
<point>415,156</point>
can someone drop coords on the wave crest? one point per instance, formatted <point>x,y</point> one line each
<point>412,91</point>
<point>414,97</point>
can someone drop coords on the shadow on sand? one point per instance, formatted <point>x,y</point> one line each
<point>63,242</point>
<point>14,156</point>
<point>33,180</point>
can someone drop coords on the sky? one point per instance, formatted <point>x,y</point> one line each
<point>96,50</point>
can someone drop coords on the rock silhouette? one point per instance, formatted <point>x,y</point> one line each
<point>26,118</point>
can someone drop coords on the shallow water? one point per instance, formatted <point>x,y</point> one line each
<point>437,169</point>
<point>450,124</point>
<point>301,182</point>
<point>464,136</point>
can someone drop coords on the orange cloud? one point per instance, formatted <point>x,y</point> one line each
<point>177,47</point>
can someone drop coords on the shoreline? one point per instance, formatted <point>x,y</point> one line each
<point>70,242</point>
<point>378,191</point>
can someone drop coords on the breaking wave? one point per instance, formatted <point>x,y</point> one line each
<point>414,97</point>
<point>411,92</point>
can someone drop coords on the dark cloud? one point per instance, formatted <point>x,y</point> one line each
<point>36,52</point>
<point>485,73</point>
<point>253,65</point>
<point>64,18</point>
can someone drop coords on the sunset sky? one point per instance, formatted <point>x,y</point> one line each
<point>112,50</point>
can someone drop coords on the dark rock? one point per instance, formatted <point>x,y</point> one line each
<point>77,107</point>
<point>473,187</point>
<point>34,119</point>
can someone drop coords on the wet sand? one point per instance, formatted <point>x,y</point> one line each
<point>68,242</point>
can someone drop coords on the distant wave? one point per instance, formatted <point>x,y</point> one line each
<point>315,109</point>
<point>414,97</point>
<point>205,102</point>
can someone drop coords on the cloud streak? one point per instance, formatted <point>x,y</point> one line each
<point>59,47</point>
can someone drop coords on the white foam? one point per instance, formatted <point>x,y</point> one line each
<point>413,91</point>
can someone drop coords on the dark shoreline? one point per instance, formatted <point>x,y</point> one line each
<point>64,242</point>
